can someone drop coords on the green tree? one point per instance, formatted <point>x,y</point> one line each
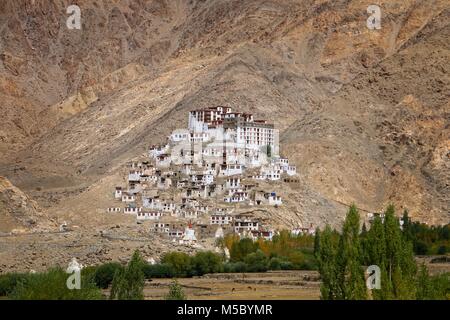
<point>317,241</point>
<point>400,265</point>
<point>256,262</point>
<point>175,292</point>
<point>375,254</point>
<point>350,274</point>
<point>180,262</point>
<point>326,258</point>
<point>239,250</point>
<point>206,262</point>
<point>104,274</point>
<point>128,282</point>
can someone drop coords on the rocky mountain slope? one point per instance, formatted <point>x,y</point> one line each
<point>363,113</point>
<point>19,213</point>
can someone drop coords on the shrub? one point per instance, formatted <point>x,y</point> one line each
<point>180,262</point>
<point>256,262</point>
<point>206,262</point>
<point>51,285</point>
<point>286,265</point>
<point>159,271</point>
<point>275,263</point>
<point>234,267</point>
<point>8,282</point>
<point>104,274</point>
<point>175,292</point>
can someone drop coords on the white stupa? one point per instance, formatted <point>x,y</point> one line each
<point>189,235</point>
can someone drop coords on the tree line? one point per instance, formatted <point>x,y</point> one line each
<point>343,258</point>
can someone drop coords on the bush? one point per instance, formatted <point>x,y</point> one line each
<point>8,282</point>
<point>51,285</point>
<point>104,274</point>
<point>275,263</point>
<point>175,292</point>
<point>159,271</point>
<point>234,267</point>
<point>286,265</point>
<point>180,262</point>
<point>256,262</point>
<point>206,262</point>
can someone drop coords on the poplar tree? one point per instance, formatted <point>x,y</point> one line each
<point>326,257</point>
<point>350,274</point>
<point>316,241</point>
<point>400,265</point>
<point>376,255</point>
<point>128,283</point>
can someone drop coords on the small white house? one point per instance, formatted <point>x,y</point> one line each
<point>282,162</point>
<point>132,210</point>
<point>220,219</point>
<point>151,203</point>
<point>179,135</point>
<point>291,170</point>
<point>164,183</point>
<point>168,206</point>
<point>231,169</point>
<point>244,224</point>
<point>273,199</point>
<point>176,233</point>
<point>150,215</point>
<point>126,197</point>
<point>256,234</point>
<point>190,214</point>
<point>271,172</point>
<point>163,161</point>
<point>204,179</point>
<point>134,176</point>
<point>118,193</point>
<point>114,210</point>
<point>157,150</point>
<point>236,197</point>
<point>233,183</point>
